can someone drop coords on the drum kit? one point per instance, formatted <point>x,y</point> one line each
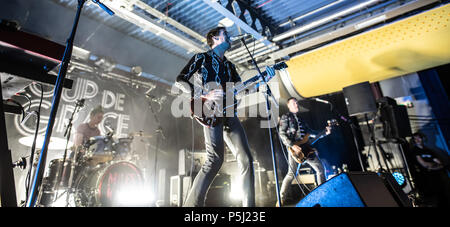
<point>102,173</point>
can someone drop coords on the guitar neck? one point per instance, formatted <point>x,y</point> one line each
<point>319,136</point>
<point>249,82</point>
<point>255,78</point>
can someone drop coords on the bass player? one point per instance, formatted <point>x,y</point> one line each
<point>292,130</point>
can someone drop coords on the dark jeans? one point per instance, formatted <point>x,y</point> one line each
<point>312,161</point>
<point>236,140</point>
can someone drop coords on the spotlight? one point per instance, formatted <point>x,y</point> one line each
<point>105,63</point>
<point>133,196</point>
<point>399,178</point>
<point>137,70</point>
<point>236,191</point>
<point>236,195</point>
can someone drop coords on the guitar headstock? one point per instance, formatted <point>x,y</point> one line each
<point>280,65</point>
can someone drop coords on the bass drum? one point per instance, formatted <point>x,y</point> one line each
<point>109,185</point>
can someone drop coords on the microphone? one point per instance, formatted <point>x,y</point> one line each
<point>22,163</point>
<point>80,102</point>
<point>321,100</point>
<point>109,11</point>
<point>237,37</point>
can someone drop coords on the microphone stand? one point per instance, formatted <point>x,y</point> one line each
<point>352,127</point>
<point>158,130</point>
<point>60,172</point>
<point>267,95</point>
<point>37,180</point>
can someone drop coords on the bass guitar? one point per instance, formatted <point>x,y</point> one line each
<point>305,148</point>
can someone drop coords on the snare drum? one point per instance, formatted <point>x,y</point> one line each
<point>100,151</point>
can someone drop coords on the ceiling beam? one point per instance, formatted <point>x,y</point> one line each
<point>241,24</point>
<point>323,20</point>
<point>310,13</point>
<point>169,20</point>
<point>124,10</point>
<point>398,11</point>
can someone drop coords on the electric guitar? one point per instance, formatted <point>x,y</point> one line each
<point>211,117</point>
<point>305,150</point>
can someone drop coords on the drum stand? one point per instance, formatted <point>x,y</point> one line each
<point>79,104</point>
<point>158,130</point>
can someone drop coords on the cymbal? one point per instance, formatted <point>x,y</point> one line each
<point>140,134</point>
<point>56,143</point>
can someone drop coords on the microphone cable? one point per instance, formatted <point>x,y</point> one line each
<point>33,147</point>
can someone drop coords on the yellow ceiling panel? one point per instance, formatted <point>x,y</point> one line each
<point>409,45</point>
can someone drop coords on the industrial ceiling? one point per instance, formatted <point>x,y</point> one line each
<point>314,37</point>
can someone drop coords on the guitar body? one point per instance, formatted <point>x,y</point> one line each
<point>214,113</point>
<point>205,119</point>
<point>306,150</point>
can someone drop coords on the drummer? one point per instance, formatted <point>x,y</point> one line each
<point>90,129</point>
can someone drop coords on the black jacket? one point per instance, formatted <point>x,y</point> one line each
<point>207,67</point>
<point>292,130</point>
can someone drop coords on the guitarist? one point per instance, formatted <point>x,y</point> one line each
<point>292,129</point>
<point>212,67</point>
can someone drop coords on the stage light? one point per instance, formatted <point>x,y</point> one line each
<point>236,195</point>
<point>133,196</point>
<point>226,22</point>
<point>137,70</point>
<point>236,191</point>
<point>105,63</point>
<point>399,178</point>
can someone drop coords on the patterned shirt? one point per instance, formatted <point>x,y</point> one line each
<point>207,67</point>
<point>293,129</point>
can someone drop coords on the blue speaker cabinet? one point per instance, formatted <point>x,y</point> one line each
<point>354,189</point>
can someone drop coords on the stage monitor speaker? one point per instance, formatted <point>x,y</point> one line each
<point>175,191</point>
<point>354,189</point>
<point>162,185</point>
<point>359,99</point>
<point>218,194</point>
<point>179,188</point>
<point>395,119</point>
<point>186,162</point>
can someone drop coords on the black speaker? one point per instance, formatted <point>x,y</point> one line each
<point>219,191</point>
<point>356,189</point>
<point>394,118</point>
<point>359,99</point>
